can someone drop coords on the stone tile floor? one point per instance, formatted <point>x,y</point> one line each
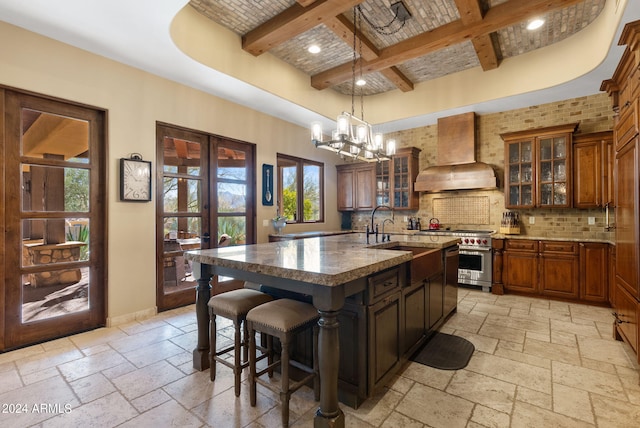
<point>538,363</point>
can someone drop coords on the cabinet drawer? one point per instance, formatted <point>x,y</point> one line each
<point>521,245</point>
<point>559,247</point>
<point>383,284</point>
<point>626,308</point>
<point>627,126</point>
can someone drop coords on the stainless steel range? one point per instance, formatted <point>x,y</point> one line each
<point>475,266</point>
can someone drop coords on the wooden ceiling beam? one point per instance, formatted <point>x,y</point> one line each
<point>292,22</point>
<point>305,3</point>
<point>470,12</point>
<point>344,28</point>
<point>503,15</point>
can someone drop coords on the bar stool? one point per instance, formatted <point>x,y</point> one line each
<point>282,318</point>
<point>234,305</point>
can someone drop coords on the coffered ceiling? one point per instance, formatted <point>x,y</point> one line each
<point>439,38</point>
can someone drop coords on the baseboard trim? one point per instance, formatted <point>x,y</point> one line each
<point>135,316</point>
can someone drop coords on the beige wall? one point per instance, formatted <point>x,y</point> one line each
<point>135,100</point>
<point>593,113</point>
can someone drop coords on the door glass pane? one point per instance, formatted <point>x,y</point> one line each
<point>54,293</point>
<point>545,171</point>
<point>514,195</point>
<point>182,227</point>
<point>514,174</point>
<point>559,171</point>
<point>182,156</point>
<point>545,149</point>
<point>180,234</point>
<point>38,248</point>
<point>232,197</point>
<point>235,227</point>
<point>311,196</point>
<point>50,136</point>
<point>231,164</point>
<point>181,195</point>
<point>546,191</point>
<point>526,151</point>
<point>527,197</point>
<point>526,173</point>
<point>48,188</point>
<point>559,148</point>
<point>514,153</point>
<point>560,193</point>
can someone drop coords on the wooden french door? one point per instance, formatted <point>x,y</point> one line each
<point>205,190</point>
<point>54,245</point>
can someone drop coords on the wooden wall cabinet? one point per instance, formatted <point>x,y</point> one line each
<point>538,165</point>
<point>593,162</point>
<point>356,186</point>
<point>395,180</point>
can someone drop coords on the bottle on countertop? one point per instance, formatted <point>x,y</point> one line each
<point>418,225</point>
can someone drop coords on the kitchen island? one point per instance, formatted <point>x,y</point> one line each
<point>328,269</point>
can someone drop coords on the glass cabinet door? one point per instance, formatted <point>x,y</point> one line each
<point>520,174</point>
<point>553,171</point>
<point>382,183</point>
<point>401,182</point>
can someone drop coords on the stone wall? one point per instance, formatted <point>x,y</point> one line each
<point>592,112</point>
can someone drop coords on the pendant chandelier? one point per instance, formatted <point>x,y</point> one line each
<point>353,137</point>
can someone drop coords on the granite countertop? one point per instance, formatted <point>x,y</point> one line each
<point>329,261</point>
<point>312,234</point>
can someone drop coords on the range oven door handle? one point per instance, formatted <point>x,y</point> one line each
<point>470,250</point>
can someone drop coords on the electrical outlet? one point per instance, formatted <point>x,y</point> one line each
<point>532,220</point>
<point>592,220</point>
<point>265,223</point>
<point>406,219</point>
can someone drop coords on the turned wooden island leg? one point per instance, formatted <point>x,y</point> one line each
<point>329,414</point>
<point>203,294</point>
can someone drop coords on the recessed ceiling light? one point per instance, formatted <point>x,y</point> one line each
<point>361,82</point>
<point>314,49</point>
<point>534,24</point>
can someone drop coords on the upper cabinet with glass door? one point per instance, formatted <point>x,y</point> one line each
<point>395,179</point>
<point>538,167</point>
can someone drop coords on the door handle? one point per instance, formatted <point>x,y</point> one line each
<point>205,238</point>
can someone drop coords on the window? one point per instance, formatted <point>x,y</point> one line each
<point>300,189</point>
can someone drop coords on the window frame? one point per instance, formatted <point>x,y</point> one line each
<point>300,164</point>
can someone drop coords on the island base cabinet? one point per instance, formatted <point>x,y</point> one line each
<point>385,338</point>
<point>415,316</point>
<point>436,299</point>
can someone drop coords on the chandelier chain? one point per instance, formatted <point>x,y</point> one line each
<point>382,29</point>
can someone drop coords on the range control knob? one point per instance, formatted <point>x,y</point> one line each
<point>466,240</point>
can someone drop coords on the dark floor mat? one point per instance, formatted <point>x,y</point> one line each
<point>445,352</point>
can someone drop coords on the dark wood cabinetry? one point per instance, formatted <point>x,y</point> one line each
<point>593,170</point>
<point>594,272</point>
<point>520,266</point>
<point>356,186</point>
<point>559,269</point>
<point>538,165</point>
<point>363,186</point>
<point>624,91</point>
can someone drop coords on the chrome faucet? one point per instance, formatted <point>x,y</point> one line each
<point>374,229</point>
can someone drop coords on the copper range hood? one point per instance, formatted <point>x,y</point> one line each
<point>457,168</point>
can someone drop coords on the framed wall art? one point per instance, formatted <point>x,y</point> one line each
<point>267,185</point>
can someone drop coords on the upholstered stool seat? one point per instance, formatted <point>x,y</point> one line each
<point>282,318</point>
<point>233,305</point>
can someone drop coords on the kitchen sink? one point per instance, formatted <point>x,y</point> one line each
<point>415,250</point>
